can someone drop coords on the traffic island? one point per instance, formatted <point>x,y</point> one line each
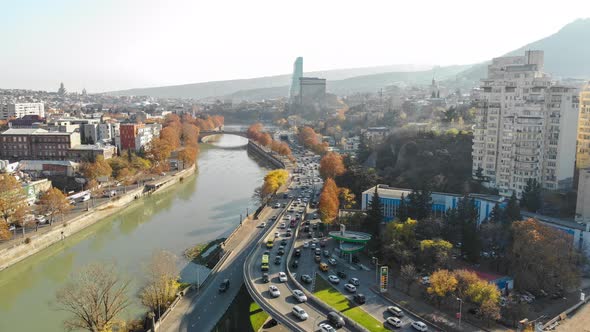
<point>332,297</point>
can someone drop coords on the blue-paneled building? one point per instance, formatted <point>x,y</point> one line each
<point>391,197</point>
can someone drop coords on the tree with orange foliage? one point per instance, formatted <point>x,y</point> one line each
<point>329,203</point>
<point>171,135</point>
<point>188,155</point>
<point>283,149</point>
<point>308,137</point>
<point>331,165</point>
<point>190,134</point>
<point>254,131</point>
<point>265,139</point>
<point>157,152</point>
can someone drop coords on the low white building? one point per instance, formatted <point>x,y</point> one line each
<point>18,110</point>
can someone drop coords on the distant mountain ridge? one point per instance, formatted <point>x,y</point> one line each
<point>567,55</point>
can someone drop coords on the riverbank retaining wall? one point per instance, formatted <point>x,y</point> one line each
<point>59,231</point>
<point>266,155</point>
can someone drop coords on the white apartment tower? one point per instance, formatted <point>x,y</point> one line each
<point>526,127</point>
<point>18,110</point>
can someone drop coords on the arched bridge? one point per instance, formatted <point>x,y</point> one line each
<point>206,133</point>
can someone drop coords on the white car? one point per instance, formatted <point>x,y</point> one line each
<point>262,225</point>
<point>315,240</point>
<point>325,327</point>
<point>425,280</point>
<point>274,291</point>
<point>332,261</point>
<point>333,279</point>
<point>276,234</point>
<point>277,205</point>
<point>283,225</point>
<point>299,296</point>
<point>355,281</point>
<point>299,312</point>
<point>418,325</point>
<point>306,245</point>
<point>395,311</point>
<point>41,219</point>
<point>350,287</point>
<point>394,321</point>
<point>282,277</point>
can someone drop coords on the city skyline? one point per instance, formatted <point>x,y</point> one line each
<point>118,46</point>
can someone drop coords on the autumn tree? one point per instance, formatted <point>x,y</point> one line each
<point>95,297</point>
<point>190,134</point>
<point>465,279</point>
<point>12,195</point>
<point>158,151</point>
<point>489,311</point>
<point>347,198</point>
<point>94,187</point>
<point>328,202</point>
<point>331,165</point>
<point>172,136</point>
<point>93,170</point>
<point>435,252</point>
<point>188,155</point>
<point>23,218</point>
<point>265,139</point>
<point>5,234</point>
<point>254,131</point>
<point>53,203</point>
<point>542,257</point>
<point>481,291</point>
<point>162,281</point>
<point>408,275</point>
<point>442,284</point>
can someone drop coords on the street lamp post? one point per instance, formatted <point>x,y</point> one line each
<point>460,310</point>
<point>376,261</point>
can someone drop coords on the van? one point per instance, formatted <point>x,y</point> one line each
<point>324,267</point>
<point>395,310</point>
<point>299,312</point>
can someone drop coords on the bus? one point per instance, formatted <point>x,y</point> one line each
<point>269,243</point>
<point>82,196</point>
<point>264,265</point>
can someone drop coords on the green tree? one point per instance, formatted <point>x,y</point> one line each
<point>373,221</point>
<point>402,211</point>
<point>531,196</point>
<point>471,242</point>
<point>512,211</point>
<point>497,215</point>
<point>420,204</point>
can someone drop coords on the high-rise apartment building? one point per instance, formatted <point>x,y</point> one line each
<point>297,74</point>
<point>525,126</point>
<point>583,146</point>
<point>18,110</point>
<point>312,90</point>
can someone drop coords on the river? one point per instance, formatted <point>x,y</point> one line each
<point>202,208</point>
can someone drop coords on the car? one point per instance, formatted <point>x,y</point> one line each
<point>425,280</point>
<point>41,219</point>
<point>333,279</point>
<point>262,225</point>
<point>325,327</point>
<point>394,321</point>
<point>317,258</point>
<point>281,251</point>
<point>306,229</point>
<point>276,234</point>
<point>350,287</point>
<point>360,298</point>
<point>396,311</point>
<point>284,242</point>
<point>288,234</point>
<point>224,286</point>
<point>278,260</point>
<point>299,296</point>
<point>314,240</point>
<point>265,278</point>
<point>306,245</point>
<point>306,278</point>
<point>11,228</point>
<point>295,264</point>
<point>277,205</point>
<point>326,253</point>
<point>282,277</point>
<point>283,225</point>
<point>332,261</point>
<point>335,319</point>
<point>355,281</point>
<point>274,291</point>
<point>341,274</point>
<point>297,252</point>
<point>420,326</point>
<point>299,312</point>
<point>318,251</point>
<point>312,246</point>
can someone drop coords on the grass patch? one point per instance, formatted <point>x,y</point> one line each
<point>195,253</point>
<point>325,292</point>
<point>257,316</point>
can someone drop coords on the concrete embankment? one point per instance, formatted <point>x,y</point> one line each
<point>268,156</point>
<point>36,242</point>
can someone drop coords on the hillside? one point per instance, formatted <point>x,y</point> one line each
<point>225,88</point>
<point>566,53</point>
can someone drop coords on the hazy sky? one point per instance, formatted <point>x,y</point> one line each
<point>107,45</point>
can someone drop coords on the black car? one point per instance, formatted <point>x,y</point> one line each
<point>288,234</point>
<point>341,275</point>
<point>278,260</point>
<point>295,264</point>
<point>306,229</point>
<point>281,251</point>
<point>224,286</point>
<point>336,320</point>
<point>360,298</point>
<point>265,278</point>
<point>306,278</point>
<point>283,242</point>
<point>297,252</point>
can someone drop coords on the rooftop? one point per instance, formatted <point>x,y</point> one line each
<point>384,190</point>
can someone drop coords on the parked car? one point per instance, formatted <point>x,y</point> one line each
<point>355,281</point>
<point>278,260</point>
<point>224,286</point>
<point>317,258</point>
<point>333,279</point>
<point>350,287</point>
<point>297,294</point>
<point>332,261</point>
<point>274,291</point>
<point>360,298</point>
<point>394,321</point>
<point>265,278</point>
<point>335,319</point>
<point>295,264</point>
<point>395,311</point>
<point>425,280</point>
<point>341,274</point>
<point>282,277</point>
<point>418,325</point>
<point>277,205</point>
<point>297,252</point>
<point>299,312</point>
<point>262,225</point>
<point>325,327</point>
